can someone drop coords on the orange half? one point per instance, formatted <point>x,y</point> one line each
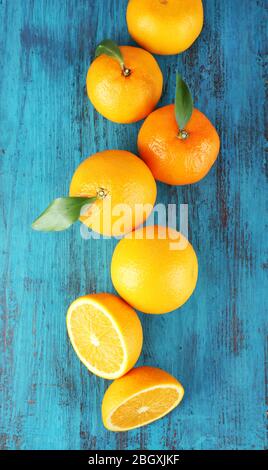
<point>105,333</point>
<point>142,396</point>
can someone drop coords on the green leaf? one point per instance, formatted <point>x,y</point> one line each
<point>183,103</point>
<point>61,213</point>
<point>110,48</point>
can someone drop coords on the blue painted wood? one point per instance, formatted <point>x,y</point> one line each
<point>215,344</point>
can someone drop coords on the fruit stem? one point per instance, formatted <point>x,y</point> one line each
<point>183,134</point>
<point>101,193</point>
<point>126,72</point>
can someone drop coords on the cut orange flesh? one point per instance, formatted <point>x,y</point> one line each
<point>106,334</point>
<point>142,396</point>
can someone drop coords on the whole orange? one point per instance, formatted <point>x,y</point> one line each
<point>154,269</point>
<point>172,159</point>
<point>121,98</point>
<point>121,181</point>
<point>165,26</point>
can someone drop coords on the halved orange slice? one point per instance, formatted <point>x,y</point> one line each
<point>142,396</point>
<point>106,334</point>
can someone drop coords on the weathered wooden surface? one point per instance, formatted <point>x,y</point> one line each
<point>215,344</point>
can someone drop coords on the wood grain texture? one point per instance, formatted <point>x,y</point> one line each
<point>215,344</point>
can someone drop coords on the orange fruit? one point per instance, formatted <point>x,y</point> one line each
<point>106,334</point>
<point>120,98</point>
<point>165,26</point>
<point>142,396</point>
<point>174,160</point>
<point>154,269</point>
<point>118,178</point>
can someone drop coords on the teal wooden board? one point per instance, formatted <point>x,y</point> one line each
<point>215,344</point>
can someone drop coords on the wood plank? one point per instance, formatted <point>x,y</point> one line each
<point>215,343</point>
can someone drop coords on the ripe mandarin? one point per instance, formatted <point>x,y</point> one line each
<point>178,156</point>
<point>165,26</point>
<point>120,180</point>
<point>125,93</point>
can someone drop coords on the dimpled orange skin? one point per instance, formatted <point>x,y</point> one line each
<point>165,26</point>
<point>173,160</point>
<point>151,276</point>
<point>125,178</point>
<point>125,99</point>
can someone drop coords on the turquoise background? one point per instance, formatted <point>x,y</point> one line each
<point>215,344</point>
